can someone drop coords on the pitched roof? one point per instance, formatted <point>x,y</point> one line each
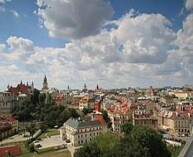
<point>100,119</point>
<point>78,124</point>
<point>7,118</point>
<point>20,88</point>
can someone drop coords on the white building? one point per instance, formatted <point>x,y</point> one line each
<point>83,103</point>
<point>80,131</point>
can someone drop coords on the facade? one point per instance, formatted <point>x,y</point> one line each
<point>181,94</point>
<point>8,126</point>
<point>119,112</point>
<point>83,103</point>
<point>5,130</point>
<point>14,95</point>
<point>177,122</point>
<point>76,99</point>
<point>80,131</point>
<point>143,117</point>
<point>8,101</point>
<point>59,99</point>
<point>118,119</point>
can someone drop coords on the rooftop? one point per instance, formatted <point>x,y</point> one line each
<point>78,123</point>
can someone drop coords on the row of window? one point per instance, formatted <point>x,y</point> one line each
<point>184,130</point>
<point>87,135</point>
<point>89,129</point>
<point>182,123</point>
<point>84,141</point>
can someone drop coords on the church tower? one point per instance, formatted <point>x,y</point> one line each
<point>97,87</point>
<point>32,86</point>
<point>84,88</point>
<point>45,84</point>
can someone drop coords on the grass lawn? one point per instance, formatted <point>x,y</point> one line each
<point>175,151</point>
<point>50,132</point>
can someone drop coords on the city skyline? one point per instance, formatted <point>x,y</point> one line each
<point>107,42</point>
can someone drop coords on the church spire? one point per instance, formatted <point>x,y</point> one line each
<point>97,87</point>
<point>45,84</point>
<point>45,79</point>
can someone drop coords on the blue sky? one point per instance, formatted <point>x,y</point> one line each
<point>69,41</point>
<point>28,26</point>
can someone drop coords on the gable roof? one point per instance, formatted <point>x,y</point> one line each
<point>20,88</point>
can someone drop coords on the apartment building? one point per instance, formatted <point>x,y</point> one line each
<point>145,118</point>
<point>177,122</point>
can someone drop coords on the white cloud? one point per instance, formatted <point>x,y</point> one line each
<point>72,18</point>
<point>184,42</point>
<point>4,1</point>
<point>15,13</point>
<point>145,38</point>
<point>19,43</point>
<point>189,4</point>
<point>2,47</point>
<point>139,51</point>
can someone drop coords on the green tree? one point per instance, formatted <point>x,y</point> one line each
<point>88,150</point>
<point>35,97</point>
<point>105,116</point>
<point>31,129</point>
<point>129,148</point>
<point>127,128</point>
<point>42,98</point>
<point>102,146</point>
<point>150,140</point>
<point>107,143</point>
<point>85,110</point>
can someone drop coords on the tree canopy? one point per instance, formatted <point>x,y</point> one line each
<point>37,109</point>
<point>138,141</point>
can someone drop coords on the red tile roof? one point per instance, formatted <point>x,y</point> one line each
<point>59,97</point>
<point>14,150</point>
<point>20,88</point>
<point>7,118</point>
<point>100,118</point>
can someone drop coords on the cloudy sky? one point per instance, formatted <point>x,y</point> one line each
<point>115,43</point>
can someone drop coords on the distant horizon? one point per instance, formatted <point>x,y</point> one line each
<point>115,44</point>
<point>90,88</point>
